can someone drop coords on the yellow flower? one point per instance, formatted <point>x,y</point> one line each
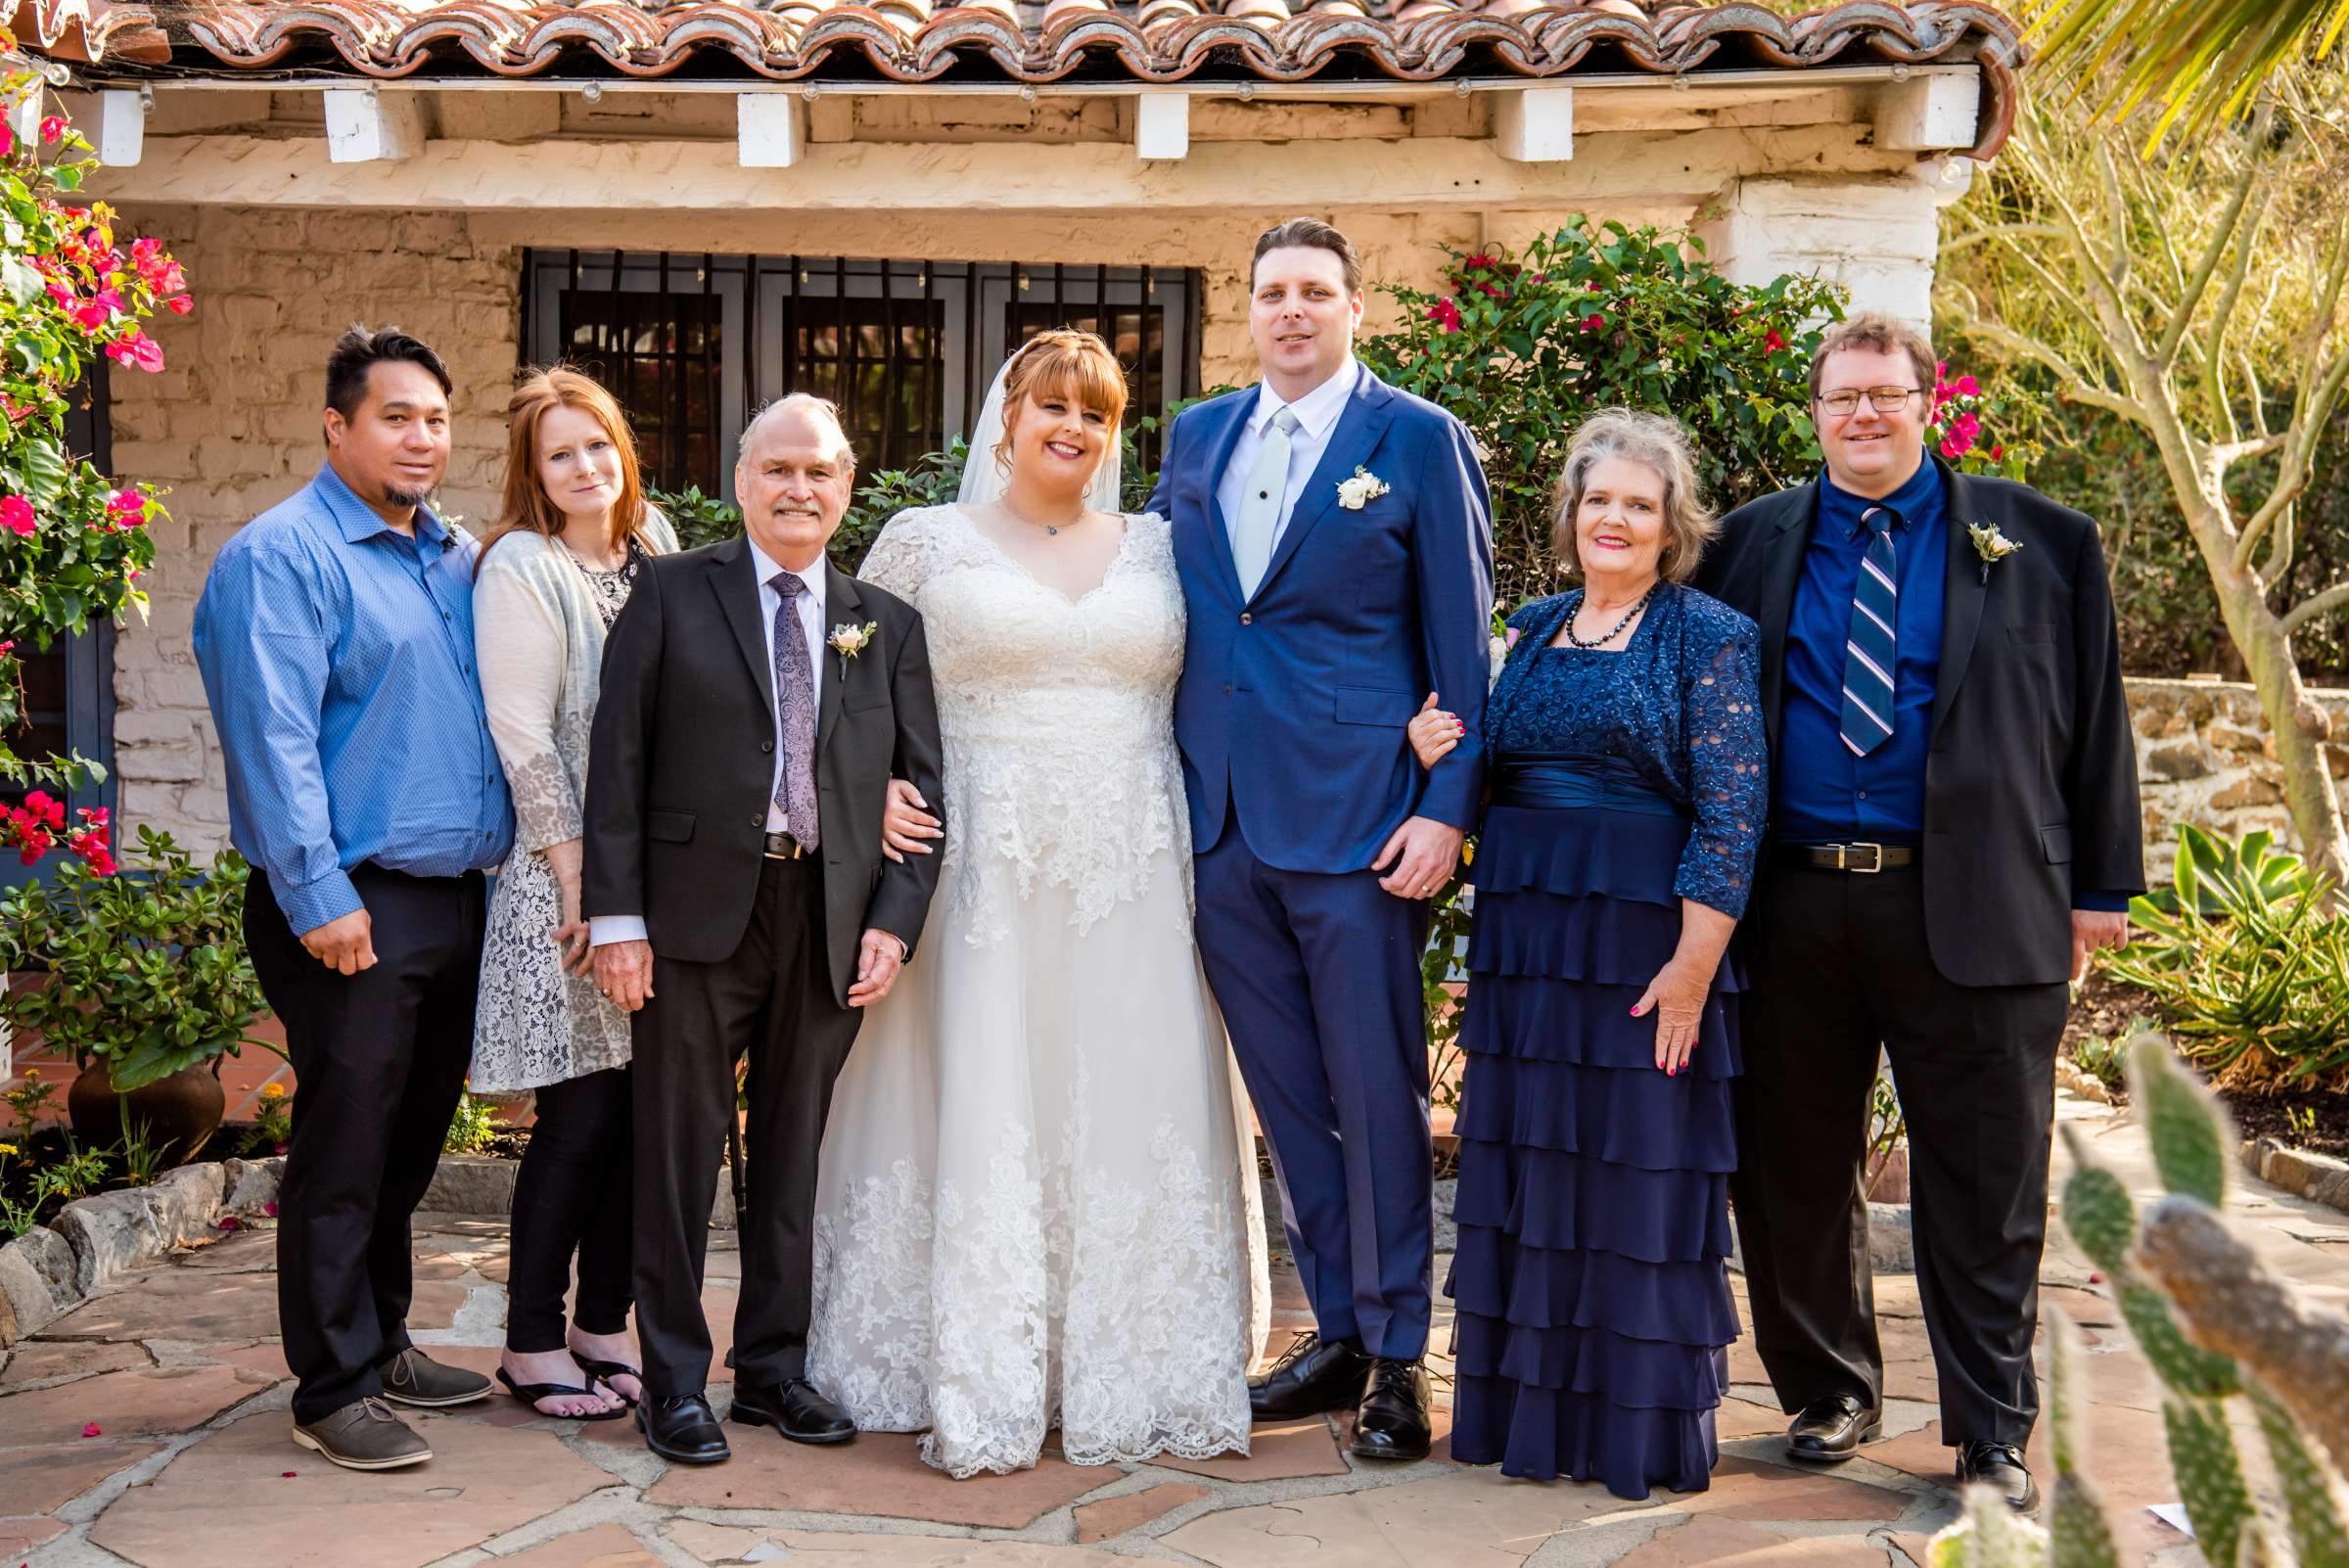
<point>8,1148</point>
<point>31,1072</point>
<point>1468,851</point>
<point>273,1091</point>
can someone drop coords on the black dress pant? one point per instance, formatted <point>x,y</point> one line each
<point>1839,963</point>
<point>771,999</point>
<point>379,1061</point>
<point>574,1195</point>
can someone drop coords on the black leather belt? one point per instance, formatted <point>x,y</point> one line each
<point>1866,860</point>
<point>783,847</point>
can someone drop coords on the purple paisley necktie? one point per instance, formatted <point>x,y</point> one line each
<point>795,707</point>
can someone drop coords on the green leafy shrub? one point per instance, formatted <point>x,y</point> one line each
<point>148,972</point>
<point>474,1127</point>
<point>1523,346</point>
<point>2246,963</point>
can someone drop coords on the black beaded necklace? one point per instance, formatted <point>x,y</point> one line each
<point>1613,631</point>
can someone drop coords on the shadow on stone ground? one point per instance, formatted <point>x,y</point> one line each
<point>176,1374</point>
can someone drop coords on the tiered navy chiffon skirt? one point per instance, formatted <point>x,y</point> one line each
<point>1593,1307</point>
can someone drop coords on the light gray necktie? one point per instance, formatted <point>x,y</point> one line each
<point>1261,503</point>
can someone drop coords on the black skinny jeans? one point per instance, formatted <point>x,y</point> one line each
<point>573,1194</point>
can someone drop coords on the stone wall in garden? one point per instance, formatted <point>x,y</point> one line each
<point>2205,755</point>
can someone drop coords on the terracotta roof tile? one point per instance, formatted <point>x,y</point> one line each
<point>1023,41</point>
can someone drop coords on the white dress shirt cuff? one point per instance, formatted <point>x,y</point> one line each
<point>604,930</point>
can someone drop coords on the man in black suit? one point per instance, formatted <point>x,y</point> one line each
<point>1954,827</point>
<point>755,703</point>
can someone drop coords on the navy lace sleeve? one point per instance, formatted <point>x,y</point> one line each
<point>1728,773</point>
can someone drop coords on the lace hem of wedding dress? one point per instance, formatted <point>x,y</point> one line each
<point>1115,1310</point>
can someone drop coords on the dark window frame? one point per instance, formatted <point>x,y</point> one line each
<point>973,314</point>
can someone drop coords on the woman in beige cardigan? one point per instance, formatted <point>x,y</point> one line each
<point>575,530</point>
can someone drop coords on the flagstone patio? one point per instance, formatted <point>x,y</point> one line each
<point>148,1428</point>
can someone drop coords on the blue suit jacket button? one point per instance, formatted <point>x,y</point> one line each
<point>1247,619</point>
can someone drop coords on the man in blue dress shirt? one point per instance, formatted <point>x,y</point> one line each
<point>1954,827</point>
<point>336,639</point>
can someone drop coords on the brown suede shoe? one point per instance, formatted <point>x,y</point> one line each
<point>414,1378</point>
<point>364,1435</point>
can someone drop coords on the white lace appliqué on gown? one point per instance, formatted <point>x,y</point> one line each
<point>1038,1205</point>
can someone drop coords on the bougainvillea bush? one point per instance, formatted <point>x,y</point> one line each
<point>73,542</point>
<point>1968,423</point>
<point>1524,346</point>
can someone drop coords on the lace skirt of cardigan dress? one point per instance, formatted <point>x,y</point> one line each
<point>1593,1307</point>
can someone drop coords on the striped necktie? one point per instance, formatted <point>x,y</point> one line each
<point>1870,650</point>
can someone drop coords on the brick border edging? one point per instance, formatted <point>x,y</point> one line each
<point>2318,1177</point>
<point>53,1268</point>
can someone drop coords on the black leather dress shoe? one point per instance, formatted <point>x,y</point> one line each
<point>1313,1375</point>
<point>1391,1423</point>
<point>1998,1466</point>
<point>684,1429</point>
<point>797,1409</point>
<point>1830,1431</point>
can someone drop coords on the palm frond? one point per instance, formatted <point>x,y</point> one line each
<point>2200,60</point>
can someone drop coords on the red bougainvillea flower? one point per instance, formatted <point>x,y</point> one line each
<point>1480,261</point>
<point>1996,451</point>
<point>1593,321</point>
<point>1772,342</point>
<point>42,808</point>
<point>53,129</point>
<point>229,1221</point>
<point>7,647</point>
<point>91,1429</point>
<point>15,515</point>
<point>1445,314</point>
<point>180,304</point>
<point>270,1208</point>
<point>8,142</point>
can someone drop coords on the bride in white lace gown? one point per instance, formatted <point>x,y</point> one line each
<point>1037,1205</point>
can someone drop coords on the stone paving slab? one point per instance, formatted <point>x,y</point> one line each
<point>880,1475</point>
<point>201,1511</point>
<point>45,1480</point>
<point>604,1546</point>
<point>158,1401</point>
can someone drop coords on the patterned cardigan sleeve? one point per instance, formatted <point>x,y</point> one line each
<point>521,649</point>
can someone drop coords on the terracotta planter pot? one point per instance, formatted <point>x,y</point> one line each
<point>180,1112</point>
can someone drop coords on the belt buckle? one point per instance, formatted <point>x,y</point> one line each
<point>1843,862</point>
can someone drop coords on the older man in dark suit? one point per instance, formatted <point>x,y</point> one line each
<point>757,701</point>
<point>1954,827</point>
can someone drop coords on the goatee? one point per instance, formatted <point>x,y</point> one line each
<point>398,496</point>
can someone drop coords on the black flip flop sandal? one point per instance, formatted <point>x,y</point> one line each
<point>608,1370</point>
<point>529,1394</point>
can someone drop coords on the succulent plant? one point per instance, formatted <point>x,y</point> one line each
<point>2216,1326</point>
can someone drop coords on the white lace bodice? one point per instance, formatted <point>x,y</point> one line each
<point>1057,714</point>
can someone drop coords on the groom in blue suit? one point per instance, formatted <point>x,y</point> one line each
<point>1335,543</point>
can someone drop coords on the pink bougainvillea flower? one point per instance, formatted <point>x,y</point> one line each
<point>1967,387</point>
<point>229,1221</point>
<point>8,142</point>
<point>179,304</point>
<point>95,815</point>
<point>53,129</point>
<point>1593,321</point>
<point>1772,342</point>
<point>136,349</point>
<point>1445,314</point>
<point>286,1474</point>
<point>270,1208</point>
<point>91,316</point>
<point>92,1429</point>
<point>15,515</point>
<point>7,647</point>
<point>127,504</point>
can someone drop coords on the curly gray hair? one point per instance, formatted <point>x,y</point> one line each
<point>1659,443</point>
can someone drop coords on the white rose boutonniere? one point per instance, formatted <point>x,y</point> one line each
<point>1360,491</point>
<point>848,642</point>
<point>1990,545</point>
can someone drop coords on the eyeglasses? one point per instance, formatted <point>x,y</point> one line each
<point>1887,399</point>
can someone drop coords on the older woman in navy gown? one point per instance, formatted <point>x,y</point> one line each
<point>1593,1307</point>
